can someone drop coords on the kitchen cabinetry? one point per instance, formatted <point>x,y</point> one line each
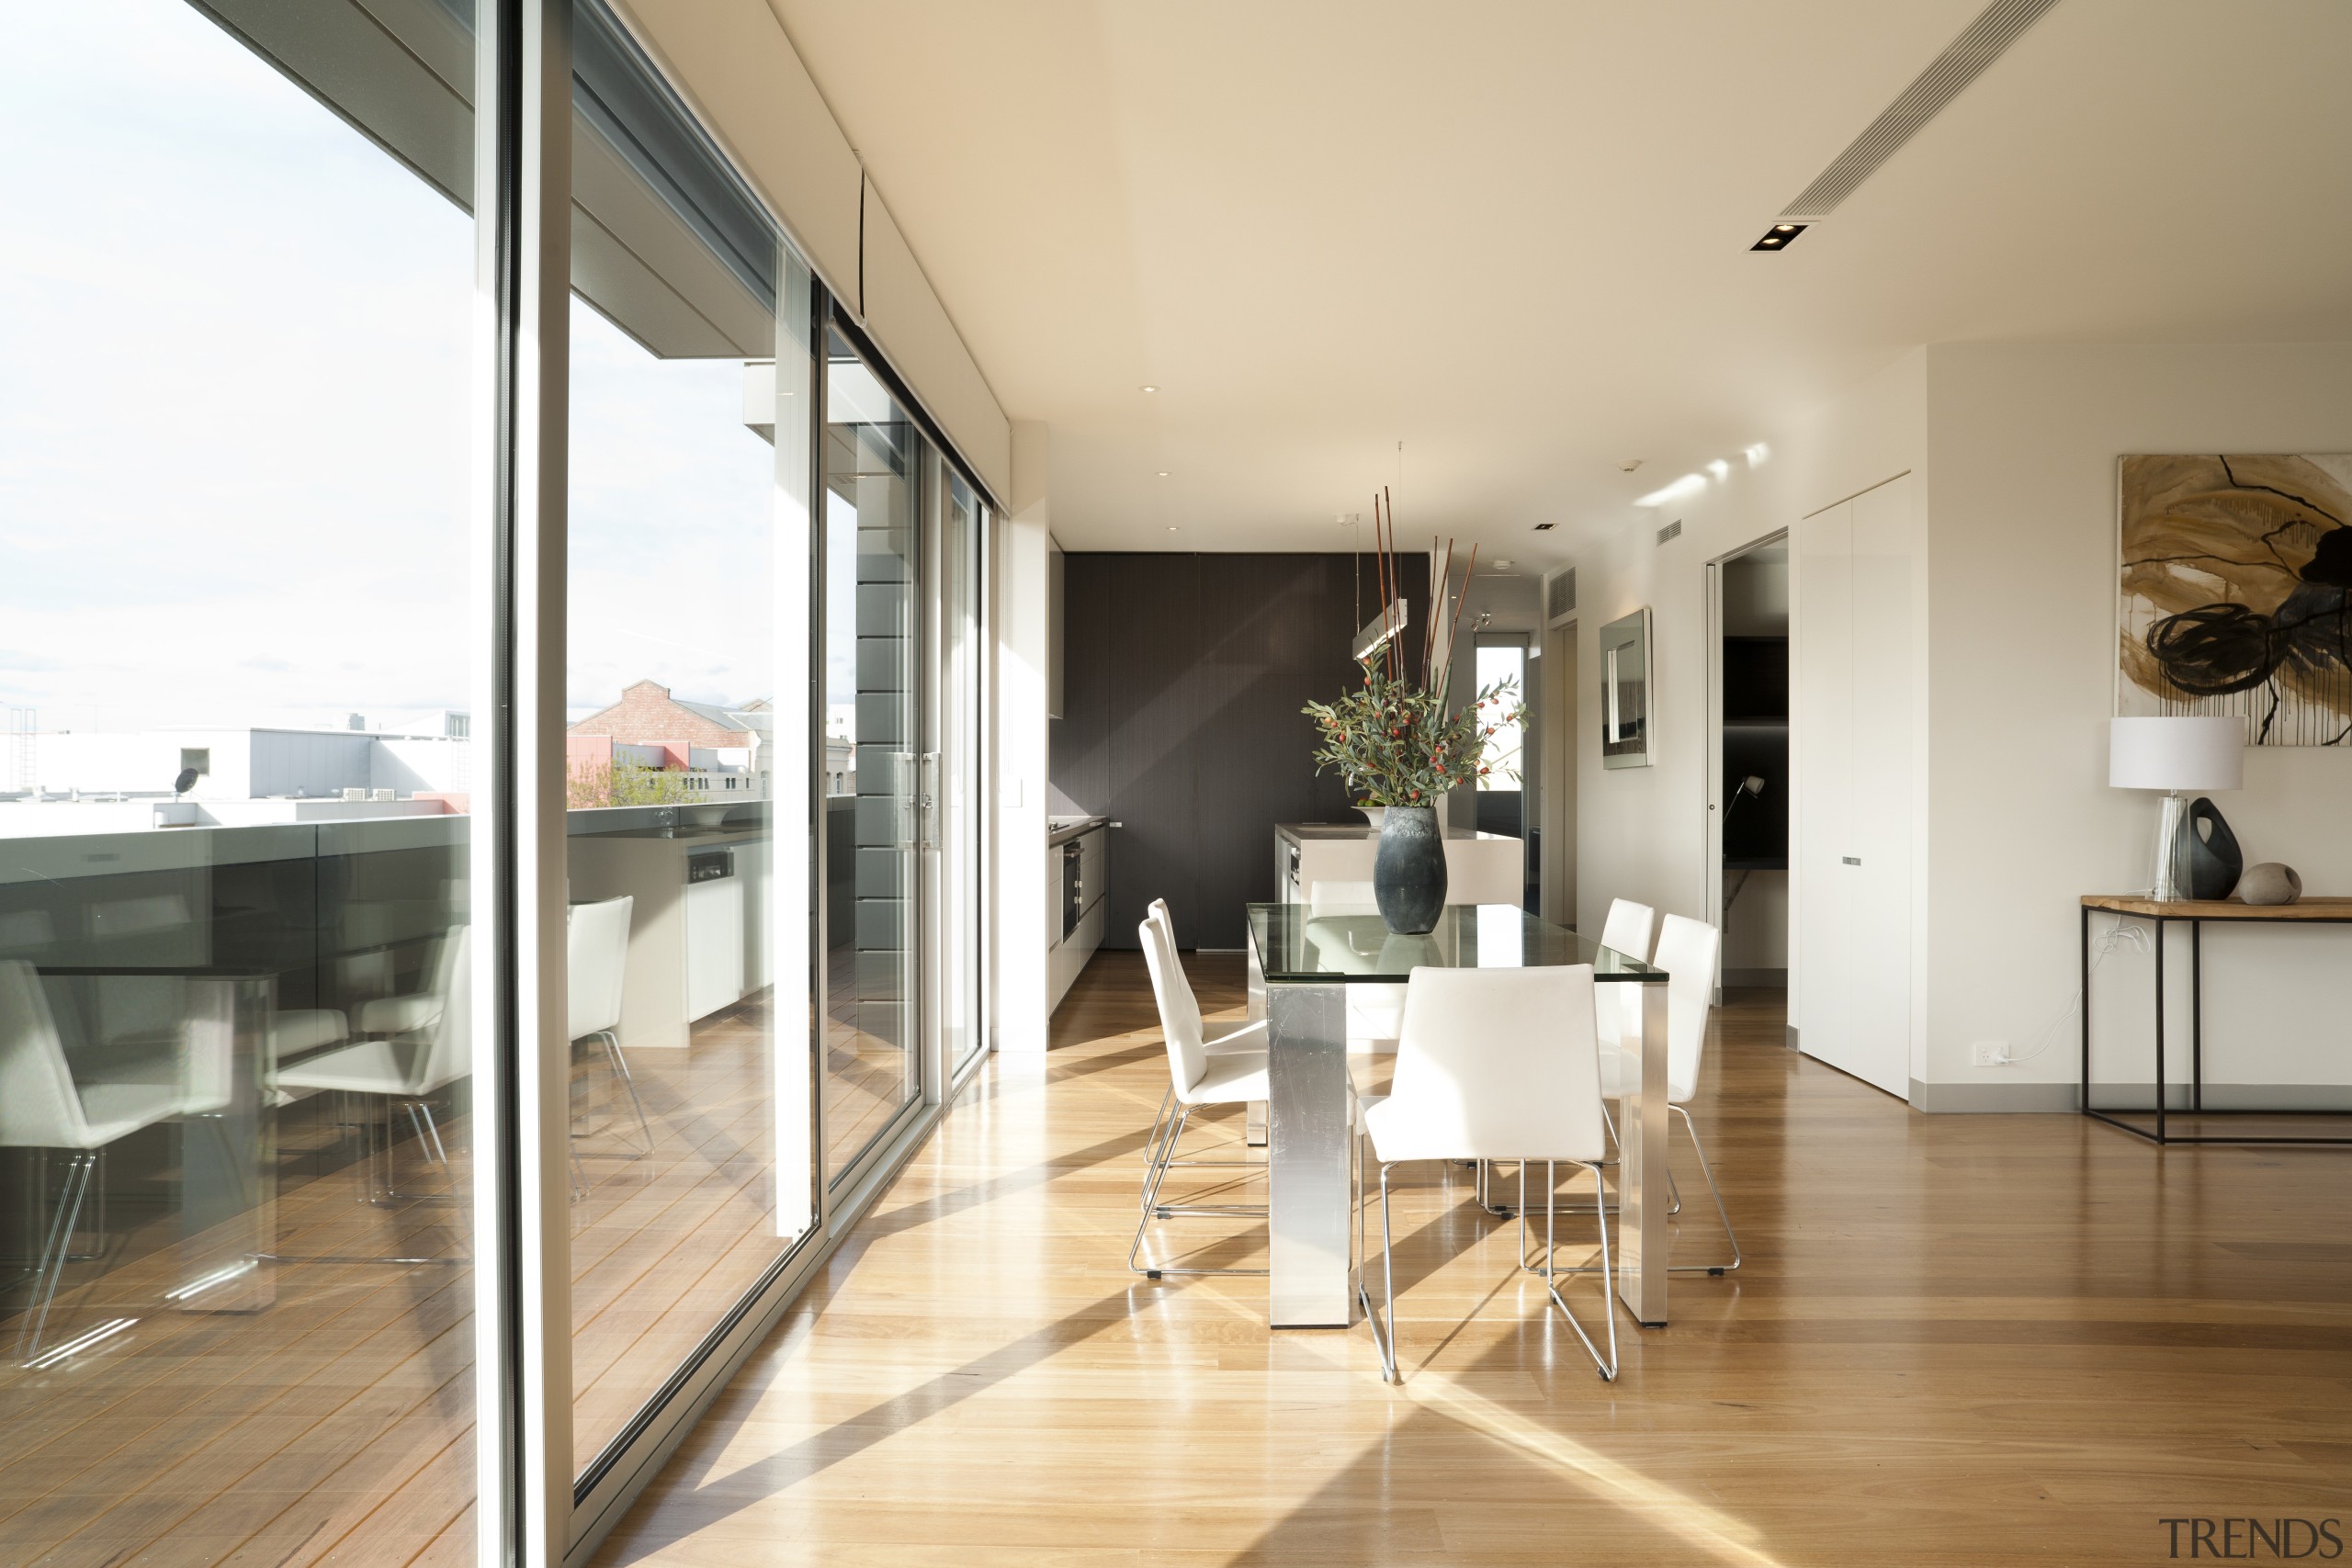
<point>1079,871</point>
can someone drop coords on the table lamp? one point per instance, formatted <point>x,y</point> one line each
<point>2194,752</point>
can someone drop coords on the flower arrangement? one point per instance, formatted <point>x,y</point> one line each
<point>1395,739</point>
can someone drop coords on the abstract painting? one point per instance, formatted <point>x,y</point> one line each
<point>2237,592</point>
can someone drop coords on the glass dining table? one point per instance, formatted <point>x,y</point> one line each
<point>1300,966</point>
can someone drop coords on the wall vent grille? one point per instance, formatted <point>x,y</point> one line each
<point>1965,60</point>
<point>1560,595</point>
<point>1671,531</point>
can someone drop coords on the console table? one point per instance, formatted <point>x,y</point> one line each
<point>2195,912</point>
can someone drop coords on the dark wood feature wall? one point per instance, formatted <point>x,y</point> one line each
<point>1183,677</point>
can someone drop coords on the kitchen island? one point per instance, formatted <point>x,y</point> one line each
<point>1480,868</point>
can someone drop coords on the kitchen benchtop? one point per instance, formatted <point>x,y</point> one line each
<point>1313,832</point>
<point>1062,829</point>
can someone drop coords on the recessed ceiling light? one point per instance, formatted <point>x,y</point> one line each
<point>1151,389</point>
<point>1175,528</point>
<point>1163,473</point>
<point>1545,527</point>
<point>1778,236</point>
<point>1629,465</point>
<point>1502,563</point>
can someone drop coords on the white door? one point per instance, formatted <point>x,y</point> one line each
<point>1884,709</point>
<point>1852,744</point>
<point>1822,609</point>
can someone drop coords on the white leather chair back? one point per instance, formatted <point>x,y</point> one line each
<point>39,1108</point>
<point>448,1052</point>
<point>1686,951</point>
<point>596,958</point>
<point>1180,1015</point>
<point>1629,929</point>
<point>1495,1064</point>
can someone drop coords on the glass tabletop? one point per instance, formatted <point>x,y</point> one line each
<point>1293,947</point>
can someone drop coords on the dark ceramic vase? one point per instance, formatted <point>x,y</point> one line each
<point>1408,873</point>
<point>2211,851</point>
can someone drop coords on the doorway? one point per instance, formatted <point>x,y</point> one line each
<point>1558,734</point>
<point>1749,776</point>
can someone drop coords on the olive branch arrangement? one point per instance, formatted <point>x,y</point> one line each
<point>1395,741</point>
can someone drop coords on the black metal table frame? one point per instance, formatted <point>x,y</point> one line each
<point>2195,1029</point>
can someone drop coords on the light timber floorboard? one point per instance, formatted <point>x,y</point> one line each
<point>1957,1339</point>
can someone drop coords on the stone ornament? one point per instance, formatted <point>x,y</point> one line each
<point>2270,883</point>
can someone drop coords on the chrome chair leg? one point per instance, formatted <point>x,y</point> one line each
<point>54,1253</point>
<point>1608,1279</point>
<point>628,1081</point>
<point>1153,1209</point>
<point>1383,1341</point>
<point>1190,1164</point>
<point>433,1132</point>
<point>1724,1214</point>
<point>1152,1140</point>
<point>1157,1210</point>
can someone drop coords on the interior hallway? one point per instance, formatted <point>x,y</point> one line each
<point>1961,1339</point>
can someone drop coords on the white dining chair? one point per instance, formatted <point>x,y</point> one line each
<point>413,1013</point>
<point>1493,1065</point>
<point>42,1108</point>
<point>1248,1037</point>
<point>405,1069</point>
<point>1630,928</point>
<point>1686,951</point>
<point>1195,1077</point>
<point>596,960</point>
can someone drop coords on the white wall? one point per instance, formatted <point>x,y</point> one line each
<point>2014,448</point>
<point>1024,897</point>
<point>1641,832</point>
<point>2022,627</point>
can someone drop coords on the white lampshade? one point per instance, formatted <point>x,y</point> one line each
<point>2183,752</point>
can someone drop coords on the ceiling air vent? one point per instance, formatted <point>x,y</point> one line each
<point>1671,531</point>
<point>1560,595</point>
<point>2002,23</point>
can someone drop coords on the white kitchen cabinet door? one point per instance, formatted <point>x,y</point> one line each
<point>714,946</point>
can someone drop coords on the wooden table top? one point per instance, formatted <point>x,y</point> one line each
<point>2307,907</point>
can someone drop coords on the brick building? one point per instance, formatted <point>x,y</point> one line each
<point>649,725</point>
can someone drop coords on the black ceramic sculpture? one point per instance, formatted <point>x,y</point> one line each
<point>1409,873</point>
<point>2208,852</point>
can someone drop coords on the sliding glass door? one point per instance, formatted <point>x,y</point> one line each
<point>875,495</point>
<point>489,785</point>
<point>686,742</point>
<point>238,1066</point>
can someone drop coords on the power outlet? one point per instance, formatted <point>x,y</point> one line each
<point>1989,1054</point>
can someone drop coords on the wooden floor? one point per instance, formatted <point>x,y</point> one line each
<point>336,1425</point>
<point>1957,1339</point>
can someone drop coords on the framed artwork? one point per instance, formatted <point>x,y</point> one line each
<point>2236,578</point>
<point>1626,697</point>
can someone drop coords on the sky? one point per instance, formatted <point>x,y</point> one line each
<point>237,414</point>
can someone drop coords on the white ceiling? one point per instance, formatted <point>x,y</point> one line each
<point>1514,234</point>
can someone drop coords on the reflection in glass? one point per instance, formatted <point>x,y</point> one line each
<point>691,367</point>
<point>874,460</point>
<point>235,1064</point>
